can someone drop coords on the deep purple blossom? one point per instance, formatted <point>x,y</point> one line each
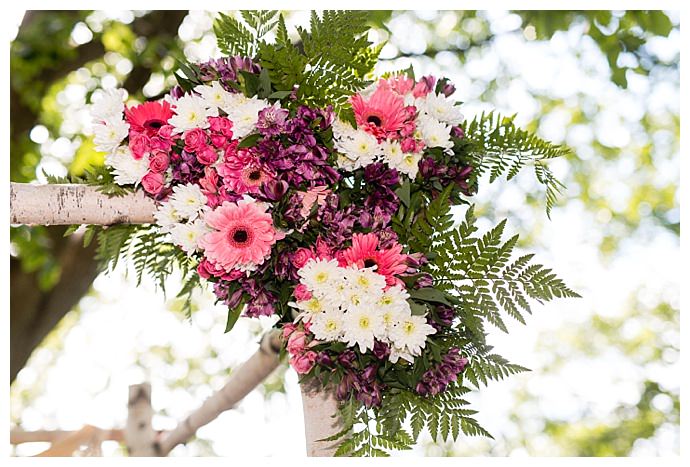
<point>272,121</point>
<point>437,379</point>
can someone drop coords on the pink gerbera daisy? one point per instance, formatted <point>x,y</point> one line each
<point>365,253</point>
<point>243,172</point>
<point>243,235</point>
<point>383,114</point>
<point>148,117</point>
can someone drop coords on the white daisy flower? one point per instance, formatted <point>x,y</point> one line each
<point>188,200</point>
<point>109,135</point>
<point>361,327</point>
<point>308,308</point>
<point>441,108</point>
<point>167,217</point>
<point>360,147</point>
<point>391,149</point>
<point>245,115</point>
<point>435,134</point>
<point>126,169</point>
<point>356,298</point>
<point>107,104</point>
<point>410,334</point>
<point>327,326</point>
<point>407,163</point>
<point>318,274</point>
<point>191,111</point>
<point>187,236</point>
<point>366,280</point>
<point>398,353</point>
<point>334,295</point>
<point>214,95</point>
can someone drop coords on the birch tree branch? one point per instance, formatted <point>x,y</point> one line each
<point>242,381</point>
<point>76,204</point>
<point>18,436</point>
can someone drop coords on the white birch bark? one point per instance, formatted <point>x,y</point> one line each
<point>321,420</point>
<point>139,434</point>
<point>76,204</point>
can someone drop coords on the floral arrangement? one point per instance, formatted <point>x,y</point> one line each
<point>302,189</point>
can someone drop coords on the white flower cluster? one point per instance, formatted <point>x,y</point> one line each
<point>353,306</point>
<point>192,111</point>
<point>110,128</point>
<point>182,216</point>
<point>436,115</point>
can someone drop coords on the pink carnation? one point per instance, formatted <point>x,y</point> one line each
<point>139,145</point>
<point>243,235</point>
<point>194,140</point>
<point>208,269</point>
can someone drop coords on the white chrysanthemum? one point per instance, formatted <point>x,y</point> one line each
<point>410,334</point>
<point>187,200</point>
<point>167,216</point>
<point>366,280</point>
<point>435,134</point>
<point>126,169</point>
<point>108,104</point>
<point>318,274</point>
<point>441,108</point>
<point>308,308</point>
<point>214,95</point>
<point>244,116</point>
<point>398,353</point>
<point>393,306</point>
<point>334,294</point>
<point>407,163</point>
<point>109,135</point>
<point>360,147</point>
<point>328,325</point>
<point>391,149</point>
<point>356,298</point>
<point>361,327</point>
<point>187,236</point>
<point>191,111</point>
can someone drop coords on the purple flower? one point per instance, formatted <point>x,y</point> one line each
<point>381,350</point>
<point>448,89</point>
<point>443,316</point>
<point>379,174</point>
<point>437,379</point>
<point>274,190</point>
<point>227,69</point>
<point>272,121</point>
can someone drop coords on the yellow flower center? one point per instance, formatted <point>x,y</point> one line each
<point>321,277</point>
<point>408,327</point>
<point>331,325</point>
<point>364,322</point>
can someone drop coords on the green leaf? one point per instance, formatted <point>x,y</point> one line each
<point>403,193</point>
<point>233,316</point>
<point>249,141</point>
<point>429,294</point>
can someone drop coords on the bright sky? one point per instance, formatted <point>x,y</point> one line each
<point>126,334</point>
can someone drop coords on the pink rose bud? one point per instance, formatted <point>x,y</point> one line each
<point>303,363</point>
<point>301,257</point>
<point>206,155</point>
<point>194,140</point>
<point>221,125</point>
<point>288,329</point>
<point>297,342</point>
<point>219,141</point>
<point>153,182</point>
<point>165,131</point>
<point>139,145</point>
<point>408,145</point>
<point>424,86</point>
<point>302,293</point>
<point>158,161</point>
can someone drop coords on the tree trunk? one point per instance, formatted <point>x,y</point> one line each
<point>321,419</point>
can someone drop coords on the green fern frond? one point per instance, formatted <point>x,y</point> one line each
<point>500,148</point>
